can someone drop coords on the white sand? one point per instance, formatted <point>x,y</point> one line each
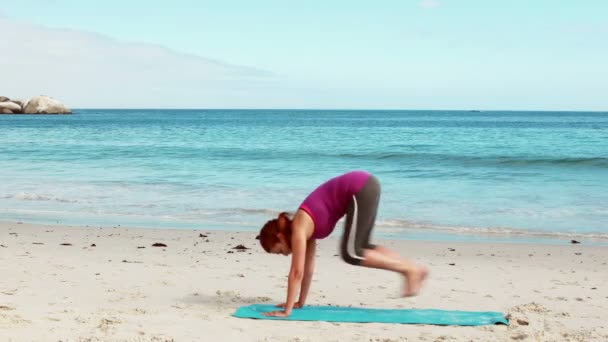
<point>116,291</point>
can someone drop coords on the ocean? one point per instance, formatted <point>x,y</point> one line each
<point>465,175</point>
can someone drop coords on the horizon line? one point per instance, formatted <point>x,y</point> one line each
<point>348,109</point>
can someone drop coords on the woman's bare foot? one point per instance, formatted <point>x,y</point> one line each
<point>415,281</point>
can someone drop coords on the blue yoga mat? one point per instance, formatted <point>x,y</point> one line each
<point>363,315</point>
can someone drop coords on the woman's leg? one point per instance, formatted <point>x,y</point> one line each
<point>386,259</point>
<point>356,249</point>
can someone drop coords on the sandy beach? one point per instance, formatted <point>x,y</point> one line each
<point>62,283</point>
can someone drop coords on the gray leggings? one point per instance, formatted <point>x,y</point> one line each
<point>360,218</point>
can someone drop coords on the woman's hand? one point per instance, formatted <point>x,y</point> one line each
<point>297,305</point>
<point>277,314</point>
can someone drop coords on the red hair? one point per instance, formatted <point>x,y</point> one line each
<point>269,234</point>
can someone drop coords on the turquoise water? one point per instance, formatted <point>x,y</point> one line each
<point>515,174</point>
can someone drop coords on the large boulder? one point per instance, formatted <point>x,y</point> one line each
<point>45,105</point>
<point>4,99</point>
<point>21,103</point>
<point>5,107</point>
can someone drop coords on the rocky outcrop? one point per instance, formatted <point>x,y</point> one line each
<point>45,105</point>
<point>37,105</point>
<point>21,103</point>
<point>9,107</point>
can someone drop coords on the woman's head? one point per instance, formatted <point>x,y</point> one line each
<point>275,236</point>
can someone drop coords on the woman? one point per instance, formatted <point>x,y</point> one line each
<point>355,194</point>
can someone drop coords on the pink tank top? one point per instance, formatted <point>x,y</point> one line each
<point>328,203</point>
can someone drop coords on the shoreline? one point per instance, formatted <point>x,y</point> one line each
<point>111,284</point>
<point>489,235</point>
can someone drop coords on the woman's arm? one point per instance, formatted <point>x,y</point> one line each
<point>309,270</point>
<point>296,273</point>
<point>302,227</point>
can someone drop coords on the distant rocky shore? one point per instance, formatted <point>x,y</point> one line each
<point>36,105</point>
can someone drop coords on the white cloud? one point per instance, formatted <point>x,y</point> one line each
<point>429,4</point>
<point>86,69</point>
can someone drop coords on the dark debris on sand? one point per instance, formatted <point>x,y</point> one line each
<point>240,247</point>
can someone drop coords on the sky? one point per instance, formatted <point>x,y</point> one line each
<point>407,54</point>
